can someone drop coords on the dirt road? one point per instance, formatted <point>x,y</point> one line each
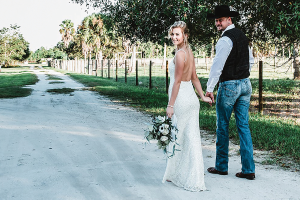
<point>82,146</point>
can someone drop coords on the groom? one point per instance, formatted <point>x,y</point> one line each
<point>231,68</point>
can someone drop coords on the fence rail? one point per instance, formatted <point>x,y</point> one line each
<point>153,74</point>
<point>278,64</point>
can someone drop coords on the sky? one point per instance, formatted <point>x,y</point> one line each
<point>40,19</point>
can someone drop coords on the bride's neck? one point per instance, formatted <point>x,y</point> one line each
<point>180,46</point>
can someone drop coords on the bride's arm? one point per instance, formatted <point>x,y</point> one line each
<point>179,66</point>
<point>197,85</point>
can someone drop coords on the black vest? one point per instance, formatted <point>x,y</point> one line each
<point>237,63</point>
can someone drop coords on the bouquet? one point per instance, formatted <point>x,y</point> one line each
<point>164,131</point>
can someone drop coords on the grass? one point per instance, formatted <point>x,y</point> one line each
<point>141,97</point>
<point>56,82</point>
<point>16,69</point>
<point>13,80</point>
<point>278,134</point>
<point>61,91</point>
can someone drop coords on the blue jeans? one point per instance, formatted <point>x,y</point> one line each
<point>234,95</point>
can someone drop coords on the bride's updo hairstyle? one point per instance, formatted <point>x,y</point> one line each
<point>185,31</point>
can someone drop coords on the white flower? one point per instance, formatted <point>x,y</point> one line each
<point>164,138</point>
<point>161,128</point>
<point>166,126</point>
<point>161,119</point>
<point>164,129</point>
<point>165,132</point>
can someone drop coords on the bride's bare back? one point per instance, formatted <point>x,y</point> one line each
<point>189,63</point>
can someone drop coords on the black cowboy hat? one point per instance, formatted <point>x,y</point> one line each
<point>222,11</point>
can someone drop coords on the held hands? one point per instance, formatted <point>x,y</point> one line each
<point>210,95</point>
<point>207,100</point>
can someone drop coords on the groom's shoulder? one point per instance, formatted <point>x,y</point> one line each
<point>233,33</point>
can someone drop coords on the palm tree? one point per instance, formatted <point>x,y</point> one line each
<point>96,27</point>
<point>67,30</point>
<point>94,37</point>
<point>85,36</point>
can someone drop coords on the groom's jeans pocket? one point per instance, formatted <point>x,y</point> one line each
<point>228,92</point>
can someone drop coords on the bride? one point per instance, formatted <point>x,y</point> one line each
<point>185,169</point>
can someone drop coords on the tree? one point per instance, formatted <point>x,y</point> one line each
<point>85,37</point>
<point>97,39</point>
<point>67,31</point>
<point>13,46</point>
<point>148,20</point>
<point>273,21</point>
<point>42,53</point>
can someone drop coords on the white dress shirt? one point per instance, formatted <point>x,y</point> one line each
<point>223,49</point>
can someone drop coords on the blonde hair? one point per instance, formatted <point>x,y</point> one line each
<point>185,31</point>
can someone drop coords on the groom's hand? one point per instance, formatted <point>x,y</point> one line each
<point>211,95</point>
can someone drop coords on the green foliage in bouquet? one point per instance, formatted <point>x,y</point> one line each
<point>164,132</point>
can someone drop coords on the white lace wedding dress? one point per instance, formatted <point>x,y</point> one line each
<point>185,169</point>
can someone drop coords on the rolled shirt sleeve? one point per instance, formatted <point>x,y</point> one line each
<point>223,49</point>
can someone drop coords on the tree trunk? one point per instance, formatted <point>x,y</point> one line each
<point>275,52</point>
<point>212,50</point>
<point>283,56</point>
<point>296,62</point>
<point>90,63</point>
<point>133,59</point>
<point>205,60</point>
<point>100,55</point>
<point>84,67</point>
<point>165,56</point>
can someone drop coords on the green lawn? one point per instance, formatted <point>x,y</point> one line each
<point>13,80</point>
<point>279,134</point>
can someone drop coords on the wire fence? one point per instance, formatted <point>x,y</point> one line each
<point>153,74</point>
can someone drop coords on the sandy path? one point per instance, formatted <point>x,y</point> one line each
<point>83,146</point>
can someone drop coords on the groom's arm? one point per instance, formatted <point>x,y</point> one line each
<point>223,49</point>
<point>210,95</point>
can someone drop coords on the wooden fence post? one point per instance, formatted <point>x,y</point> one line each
<point>96,67</point>
<point>136,73</point>
<point>116,70</point>
<point>150,75</point>
<point>102,68</point>
<point>108,68</point>
<point>167,76</point>
<point>260,87</point>
<point>91,67</point>
<point>125,71</point>
<point>88,67</point>
<point>79,66</point>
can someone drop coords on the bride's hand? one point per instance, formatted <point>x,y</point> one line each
<point>170,112</point>
<point>211,96</point>
<point>207,100</point>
